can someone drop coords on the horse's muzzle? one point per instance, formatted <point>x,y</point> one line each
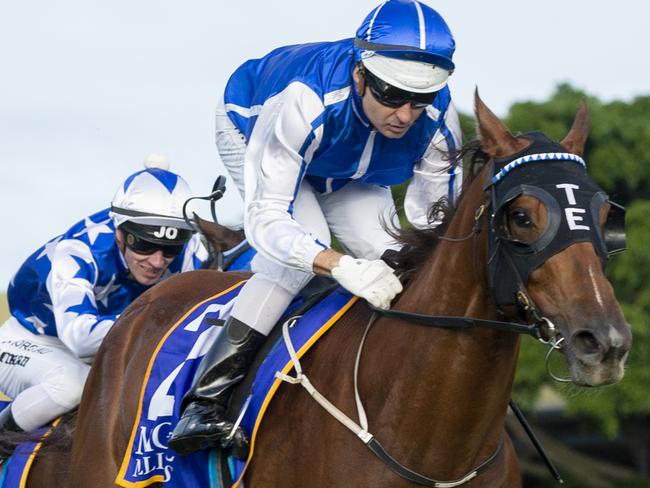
<point>599,355</point>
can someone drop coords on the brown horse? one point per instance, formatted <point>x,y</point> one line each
<point>436,398</point>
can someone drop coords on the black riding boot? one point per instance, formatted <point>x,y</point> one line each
<point>203,423</point>
<point>7,422</point>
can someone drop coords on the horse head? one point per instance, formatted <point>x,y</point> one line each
<point>552,231</point>
<point>219,236</point>
<point>218,239</point>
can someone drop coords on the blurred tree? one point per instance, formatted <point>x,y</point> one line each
<point>618,149</point>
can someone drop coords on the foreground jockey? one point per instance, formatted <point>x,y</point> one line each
<point>313,136</point>
<point>65,298</point>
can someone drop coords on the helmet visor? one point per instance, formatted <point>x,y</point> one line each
<point>391,96</point>
<point>141,246</point>
<point>409,75</point>
<point>147,239</point>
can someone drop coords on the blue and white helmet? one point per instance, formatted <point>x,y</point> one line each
<point>152,197</point>
<point>406,44</point>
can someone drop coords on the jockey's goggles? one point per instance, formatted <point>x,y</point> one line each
<point>147,248</point>
<point>393,97</point>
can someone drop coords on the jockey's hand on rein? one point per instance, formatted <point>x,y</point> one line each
<point>373,280</point>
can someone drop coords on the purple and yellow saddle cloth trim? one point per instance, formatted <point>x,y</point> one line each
<point>14,471</point>
<point>169,375</point>
<point>313,324</point>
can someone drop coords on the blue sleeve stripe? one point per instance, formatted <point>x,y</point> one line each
<point>451,147</point>
<point>301,174</point>
<point>316,123</point>
<point>321,244</point>
<point>303,167</point>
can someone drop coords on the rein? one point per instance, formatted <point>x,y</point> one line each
<point>450,322</point>
<point>541,329</point>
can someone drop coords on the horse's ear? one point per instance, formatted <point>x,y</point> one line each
<point>496,139</point>
<point>219,236</point>
<point>202,224</point>
<point>575,140</point>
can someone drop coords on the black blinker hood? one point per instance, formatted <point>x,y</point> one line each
<point>558,179</point>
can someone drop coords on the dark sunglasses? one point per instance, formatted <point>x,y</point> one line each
<point>142,246</point>
<point>393,97</point>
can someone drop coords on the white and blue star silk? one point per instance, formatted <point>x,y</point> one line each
<point>76,285</point>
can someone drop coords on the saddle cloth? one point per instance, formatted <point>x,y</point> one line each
<point>169,375</point>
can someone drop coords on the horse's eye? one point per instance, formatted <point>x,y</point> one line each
<point>520,219</point>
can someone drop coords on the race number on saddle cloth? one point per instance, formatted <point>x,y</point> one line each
<point>572,206</point>
<point>169,375</point>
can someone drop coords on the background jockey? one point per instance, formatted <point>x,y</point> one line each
<point>66,296</point>
<point>313,135</point>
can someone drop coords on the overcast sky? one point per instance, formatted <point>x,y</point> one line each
<point>89,88</point>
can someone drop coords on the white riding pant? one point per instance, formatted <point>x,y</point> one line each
<point>354,214</point>
<point>40,373</point>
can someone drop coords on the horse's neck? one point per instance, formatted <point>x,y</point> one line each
<point>458,381</point>
<point>453,279</point>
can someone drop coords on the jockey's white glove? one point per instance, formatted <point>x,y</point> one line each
<point>372,280</point>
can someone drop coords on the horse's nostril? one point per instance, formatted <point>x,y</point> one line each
<point>586,343</point>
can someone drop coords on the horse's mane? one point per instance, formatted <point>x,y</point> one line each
<point>59,440</point>
<point>418,244</point>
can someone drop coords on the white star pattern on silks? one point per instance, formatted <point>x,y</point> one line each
<point>94,229</point>
<point>48,249</point>
<point>103,292</point>
<point>69,264</point>
<point>40,326</point>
